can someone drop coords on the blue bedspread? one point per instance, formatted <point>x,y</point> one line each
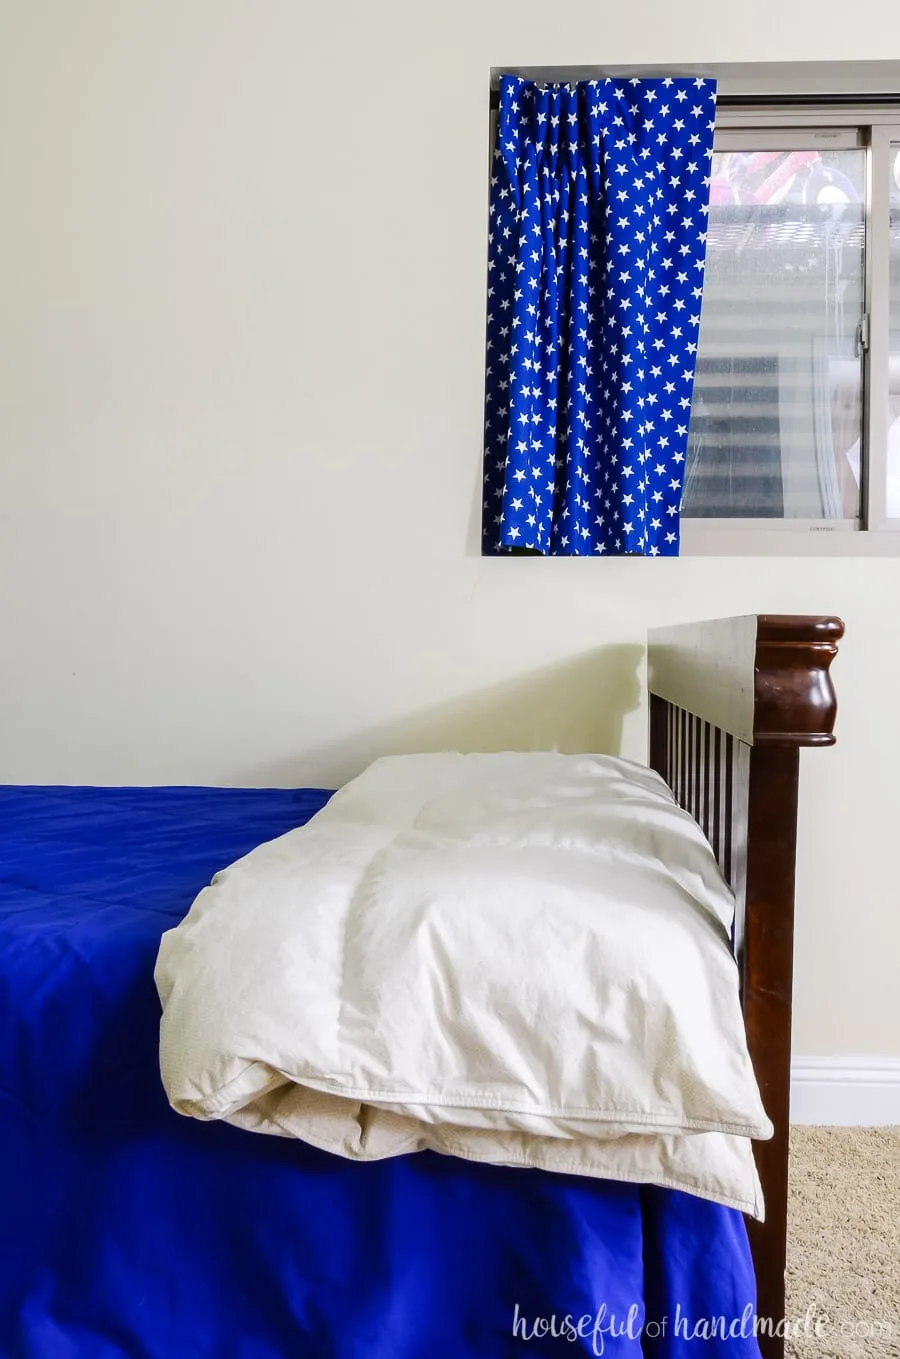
<point>126,1230</point>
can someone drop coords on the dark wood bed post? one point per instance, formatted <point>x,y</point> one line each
<point>731,703</point>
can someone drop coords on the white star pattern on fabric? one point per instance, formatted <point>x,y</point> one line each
<point>597,244</point>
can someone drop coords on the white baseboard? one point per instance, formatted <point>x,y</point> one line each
<point>857,1092</point>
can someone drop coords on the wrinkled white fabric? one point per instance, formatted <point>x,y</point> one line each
<point>517,958</point>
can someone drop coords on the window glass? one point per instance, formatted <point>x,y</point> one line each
<point>776,419</point>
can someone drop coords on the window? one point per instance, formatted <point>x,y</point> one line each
<point>795,424</point>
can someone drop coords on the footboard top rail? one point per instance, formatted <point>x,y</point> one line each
<point>762,678</point>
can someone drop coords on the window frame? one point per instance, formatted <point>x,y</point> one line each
<point>874,127</point>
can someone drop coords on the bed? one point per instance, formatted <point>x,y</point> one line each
<point>132,1232</point>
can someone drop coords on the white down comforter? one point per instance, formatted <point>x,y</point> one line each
<point>516,958</point>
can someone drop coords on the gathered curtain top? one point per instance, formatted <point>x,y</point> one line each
<point>566,123</point>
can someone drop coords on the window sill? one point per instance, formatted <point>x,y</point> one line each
<point>734,538</point>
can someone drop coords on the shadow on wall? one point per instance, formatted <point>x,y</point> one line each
<point>577,705</point>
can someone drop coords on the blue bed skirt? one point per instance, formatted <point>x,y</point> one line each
<point>127,1232</point>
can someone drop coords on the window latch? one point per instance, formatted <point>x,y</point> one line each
<point>862,334</point>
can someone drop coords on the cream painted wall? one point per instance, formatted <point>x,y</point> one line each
<point>242,248</point>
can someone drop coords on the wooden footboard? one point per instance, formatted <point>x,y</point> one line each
<point>731,703</point>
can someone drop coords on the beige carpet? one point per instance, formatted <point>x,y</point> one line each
<point>844,1243</point>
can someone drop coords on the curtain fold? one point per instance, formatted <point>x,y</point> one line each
<point>598,215</point>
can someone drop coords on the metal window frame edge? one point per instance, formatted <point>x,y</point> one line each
<point>789,116</point>
<point>876,396</point>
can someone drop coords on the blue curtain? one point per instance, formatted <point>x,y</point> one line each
<point>599,202</point>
